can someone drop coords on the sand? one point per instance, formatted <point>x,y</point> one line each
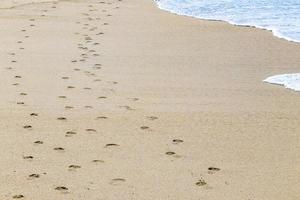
<point>120,100</point>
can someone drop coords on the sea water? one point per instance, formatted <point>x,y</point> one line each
<point>282,17</point>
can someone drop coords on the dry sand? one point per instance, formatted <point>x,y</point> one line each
<point>120,100</point>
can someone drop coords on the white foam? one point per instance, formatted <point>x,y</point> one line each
<point>290,81</point>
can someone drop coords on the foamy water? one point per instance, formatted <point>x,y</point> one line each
<point>282,17</point>
<point>289,81</point>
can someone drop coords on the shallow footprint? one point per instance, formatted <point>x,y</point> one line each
<point>101,117</point>
<point>74,167</point>
<point>97,161</point>
<point>62,118</point>
<point>27,126</point>
<point>60,149</point>
<point>144,128</point>
<point>28,157</point>
<point>177,141</point>
<point>34,114</point>
<point>18,196</point>
<point>38,142</point>
<point>33,176</point>
<point>90,130</point>
<point>70,133</point>
<point>201,182</point>
<point>212,170</point>
<point>117,181</point>
<point>62,189</point>
<point>152,118</point>
<point>111,145</point>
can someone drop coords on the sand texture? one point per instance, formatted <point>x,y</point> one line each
<point>118,100</point>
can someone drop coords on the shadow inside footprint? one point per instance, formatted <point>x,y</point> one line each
<point>74,167</point>
<point>97,161</point>
<point>212,170</point>
<point>70,133</point>
<point>18,196</point>
<point>34,176</point>
<point>27,126</point>
<point>38,142</point>
<point>170,153</point>
<point>111,145</point>
<point>61,118</point>
<point>60,149</point>
<point>62,189</point>
<point>177,141</point>
<point>91,130</point>
<point>101,117</point>
<point>27,157</point>
<point>152,118</point>
<point>201,182</point>
<point>117,181</point>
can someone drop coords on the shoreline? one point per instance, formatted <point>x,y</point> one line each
<point>123,100</point>
<point>274,32</point>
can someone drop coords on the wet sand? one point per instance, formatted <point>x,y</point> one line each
<point>120,100</point>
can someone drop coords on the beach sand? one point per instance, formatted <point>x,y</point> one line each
<point>114,99</point>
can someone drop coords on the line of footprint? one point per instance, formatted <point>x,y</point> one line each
<point>89,36</point>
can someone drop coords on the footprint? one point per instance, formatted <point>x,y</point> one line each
<point>74,167</point>
<point>144,127</point>
<point>91,130</point>
<point>170,153</point>
<point>18,196</point>
<point>117,181</point>
<point>212,170</point>
<point>177,141</point>
<point>38,142</point>
<point>70,133</point>
<point>201,182</point>
<point>152,118</point>
<point>126,107</point>
<point>111,145</point>
<point>34,176</point>
<point>58,149</point>
<point>133,99</point>
<point>62,118</point>
<point>28,157</point>
<point>62,188</point>
<point>27,126</point>
<point>97,161</point>
<point>101,117</point>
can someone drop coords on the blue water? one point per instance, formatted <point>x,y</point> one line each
<point>282,17</point>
